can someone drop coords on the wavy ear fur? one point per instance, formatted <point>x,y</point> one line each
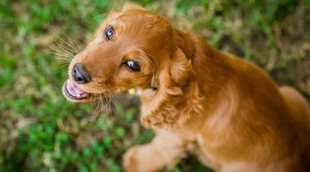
<point>180,68</point>
<point>161,109</point>
<point>174,75</point>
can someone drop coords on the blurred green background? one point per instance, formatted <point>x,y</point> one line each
<point>41,131</point>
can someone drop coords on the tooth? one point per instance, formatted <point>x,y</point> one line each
<point>68,88</point>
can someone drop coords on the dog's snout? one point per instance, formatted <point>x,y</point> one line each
<point>80,74</point>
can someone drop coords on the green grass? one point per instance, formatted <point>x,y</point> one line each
<point>41,131</point>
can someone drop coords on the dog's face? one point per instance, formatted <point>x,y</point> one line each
<point>128,49</point>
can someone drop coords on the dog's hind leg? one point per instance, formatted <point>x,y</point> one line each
<point>165,150</point>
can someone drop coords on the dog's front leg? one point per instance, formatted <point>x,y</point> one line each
<point>165,150</point>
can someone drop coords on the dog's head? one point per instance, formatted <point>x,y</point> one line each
<point>132,48</point>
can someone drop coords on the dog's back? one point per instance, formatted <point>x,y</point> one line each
<point>279,117</point>
<point>299,107</point>
<point>296,102</point>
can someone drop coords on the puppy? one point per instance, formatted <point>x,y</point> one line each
<point>224,109</point>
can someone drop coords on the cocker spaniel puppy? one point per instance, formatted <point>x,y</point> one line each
<point>196,98</point>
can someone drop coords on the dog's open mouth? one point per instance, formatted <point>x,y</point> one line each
<point>73,92</point>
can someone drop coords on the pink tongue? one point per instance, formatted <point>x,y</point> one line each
<point>75,91</point>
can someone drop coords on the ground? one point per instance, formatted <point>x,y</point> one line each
<point>41,131</point>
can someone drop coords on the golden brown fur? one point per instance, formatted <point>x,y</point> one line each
<point>226,110</point>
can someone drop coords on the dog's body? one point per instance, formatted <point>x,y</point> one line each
<point>226,110</point>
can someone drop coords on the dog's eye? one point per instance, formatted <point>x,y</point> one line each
<point>133,65</point>
<point>109,32</point>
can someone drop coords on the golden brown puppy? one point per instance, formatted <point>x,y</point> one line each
<point>196,98</point>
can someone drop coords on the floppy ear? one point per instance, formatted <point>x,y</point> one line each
<point>162,111</point>
<point>132,6</point>
<point>179,70</point>
<point>181,67</point>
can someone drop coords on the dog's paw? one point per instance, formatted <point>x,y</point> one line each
<point>130,160</point>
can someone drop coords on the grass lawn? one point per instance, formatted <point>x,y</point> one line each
<point>41,131</point>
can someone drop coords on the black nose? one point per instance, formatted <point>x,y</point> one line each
<point>80,74</point>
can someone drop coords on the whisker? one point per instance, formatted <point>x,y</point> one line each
<point>64,64</point>
<point>72,45</point>
<point>62,56</point>
<point>68,43</point>
<point>64,49</point>
<point>114,101</point>
<point>97,110</point>
<point>56,49</point>
<point>109,112</point>
<point>107,107</point>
